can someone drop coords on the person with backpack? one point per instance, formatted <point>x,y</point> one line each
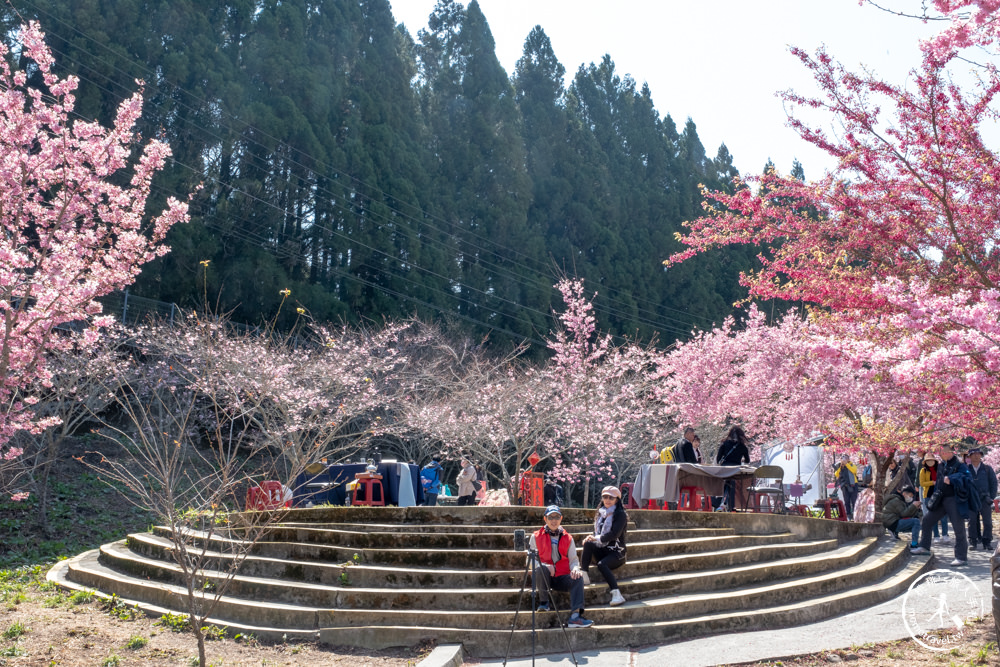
<point>682,451</point>
<point>430,480</point>
<point>466,482</point>
<point>846,475</point>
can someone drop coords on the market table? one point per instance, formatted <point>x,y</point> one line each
<point>400,481</point>
<point>663,481</point>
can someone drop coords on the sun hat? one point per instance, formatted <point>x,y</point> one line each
<point>611,491</point>
<point>552,509</point>
<point>930,457</point>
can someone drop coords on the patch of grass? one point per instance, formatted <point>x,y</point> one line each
<point>12,652</point>
<point>136,642</point>
<point>82,596</point>
<point>175,622</point>
<point>891,653</point>
<point>214,633</point>
<point>111,661</point>
<point>15,630</point>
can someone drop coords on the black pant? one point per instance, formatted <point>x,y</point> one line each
<point>850,495</point>
<point>985,513</point>
<point>466,500</point>
<point>563,582</point>
<point>607,560</point>
<point>948,506</point>
<point>430,499</point>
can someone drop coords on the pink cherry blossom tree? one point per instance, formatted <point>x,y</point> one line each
<point>73,219</point>
<point>789,380</point>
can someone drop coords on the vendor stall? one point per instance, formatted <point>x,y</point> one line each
<point>663,481</point>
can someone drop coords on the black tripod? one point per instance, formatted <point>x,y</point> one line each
<point>529,568</point>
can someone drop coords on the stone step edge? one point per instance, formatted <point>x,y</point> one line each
<point>305,611</point>
<point>804,612</point>
<point>754,539</point>
<point>57,575</point>
<point>865,544</point>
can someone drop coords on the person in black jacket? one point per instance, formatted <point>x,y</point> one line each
<point>684,449</point>
<point>985,482</point>
<point>607,544</point>
<point>732,452</point>
<point>951,467</point>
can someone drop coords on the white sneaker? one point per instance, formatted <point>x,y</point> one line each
<point>919,550</point>
<point>959,563</point>
<point>947,539</point>
<point>937,540</point>
<point>586,578</point>
<point>616,598</point>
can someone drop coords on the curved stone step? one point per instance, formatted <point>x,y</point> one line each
<point>158,548</point>
<point>335,592</point>
<point>408,606</point>
<point>479,642</point>
<point>58,575</point>
<point>359,538</point>
<point>494,559</point>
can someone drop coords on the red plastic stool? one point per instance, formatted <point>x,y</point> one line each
<point>268,495</point>
<point>833,508</point>
<point>369,483</point>
<point>694,499</point>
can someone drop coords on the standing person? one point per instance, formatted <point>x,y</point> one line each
<point>846,475</point>
<point>466,483</point>
<point>607,544</point>
<point>733,451</point>
<point>949,475</point>
<point>984,481</point>
<point>901,514</point>
<point>558,567</point>
<point>696,443</point>
<point>928,476</point>
<point>430,480</point>
<point>684,449</point>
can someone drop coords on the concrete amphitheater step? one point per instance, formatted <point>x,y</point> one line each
<point>500,592</point>
<point>58,575</point>
<point>361,575</point>
<point>158,547</point>
<point>136,577</point>
<point>495,559</point>
<point>611,631</point>
<point>359,538</point>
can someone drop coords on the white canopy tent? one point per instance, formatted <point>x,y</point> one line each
<point>802,460</point>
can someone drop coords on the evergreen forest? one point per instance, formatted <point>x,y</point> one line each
<point>382,174</point>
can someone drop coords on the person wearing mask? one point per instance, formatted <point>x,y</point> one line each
<point>466,483</point>
<point>901,514</point>
<point>928,476</point>
<point>984,479</point>
<point>606,545</point>
<point>430,480</point>
<point>732,452</point>
<point>951,474</point>
<point>846,475</point>
<point>558,568</point>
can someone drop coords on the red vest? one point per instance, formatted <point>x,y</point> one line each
<point>544,543</point>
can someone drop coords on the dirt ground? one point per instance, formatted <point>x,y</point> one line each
<point>979,649</point>
<point>46,627</point>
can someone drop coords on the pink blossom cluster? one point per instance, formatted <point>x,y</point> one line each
<point>70,231</point>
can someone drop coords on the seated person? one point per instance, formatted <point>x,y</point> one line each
<point>901,514</point>
<point>607,544</point>
<point>558,568</point>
